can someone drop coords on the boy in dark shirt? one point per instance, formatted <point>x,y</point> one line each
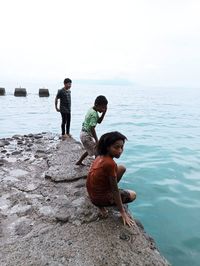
<point>64,95</point>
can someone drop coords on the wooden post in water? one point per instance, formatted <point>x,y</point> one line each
<point>20,92</point>
<point>43,92</point>
<point>2,91</point>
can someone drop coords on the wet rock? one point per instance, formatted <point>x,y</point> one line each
<point>30,144</point>
<point>38,136</point>
<point>124,236</point>
<point>4,143</point>
<point>17,136</point>
<point>2,162</point>
<point>40,151</point>
<point>16,152</point>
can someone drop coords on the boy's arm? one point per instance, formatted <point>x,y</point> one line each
<point>102,116</point>
<point>93,132</point>
<point>56,104</point>
<point>118,201</point>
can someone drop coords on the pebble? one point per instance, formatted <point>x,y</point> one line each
<point>124,236</point>
<point>4,143</point>
<point>38,136</point>
<point>16,152</point>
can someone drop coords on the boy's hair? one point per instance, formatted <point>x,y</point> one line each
<point>67,81</point>
<point>101,100</point>
<point>107,140</point>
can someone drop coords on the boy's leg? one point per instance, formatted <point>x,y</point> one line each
<point>120,171</point>
<point>103,212</point>
<point>127,195</point>
<point>79,162</point>
<point>89,144</point>
<point>64,119</point>
<point>68,120</point>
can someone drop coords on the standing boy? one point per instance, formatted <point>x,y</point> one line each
<point>88,134</point>
<point>64,95</point>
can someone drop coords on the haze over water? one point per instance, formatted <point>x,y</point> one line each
<point>161,155</point>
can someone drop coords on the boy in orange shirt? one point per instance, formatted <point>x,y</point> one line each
<point>104,175</point>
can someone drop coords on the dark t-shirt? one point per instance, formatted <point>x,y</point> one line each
<point>65,100</point>
<point>98,185</point>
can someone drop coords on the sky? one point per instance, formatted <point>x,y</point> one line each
<point>147,42</point>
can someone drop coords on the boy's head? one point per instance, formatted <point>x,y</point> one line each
<point>112,144</point>
<point>67,83</point>
<point>101,103</point>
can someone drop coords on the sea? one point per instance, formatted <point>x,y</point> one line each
<point>162,153</point>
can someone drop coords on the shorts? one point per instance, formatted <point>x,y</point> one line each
<point>88,143</point>
<point>108,199</point>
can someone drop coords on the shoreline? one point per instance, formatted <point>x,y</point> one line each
<point>46,217</point>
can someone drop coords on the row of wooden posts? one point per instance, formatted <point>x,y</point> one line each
<point>21,92</point>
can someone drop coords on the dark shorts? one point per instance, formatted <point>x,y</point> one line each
<point>108,199</point>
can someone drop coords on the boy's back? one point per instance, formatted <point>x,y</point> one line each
<point>91,120</point>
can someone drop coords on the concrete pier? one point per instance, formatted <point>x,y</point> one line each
<point>2,91</point>
<point>43,92</point>
<point>47,218</point>
<point>20,92</point>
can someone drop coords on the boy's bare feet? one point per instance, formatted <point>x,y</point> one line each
<point>64,137</point>
<point>103,212</point>
<point>80,163</point>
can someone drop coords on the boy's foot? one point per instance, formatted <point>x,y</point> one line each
<point>69,135</point>
<point>80,163</point>
<point>64,137</point>
<point>103,212</point>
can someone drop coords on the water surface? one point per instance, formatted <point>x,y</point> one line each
<point>162,154</point>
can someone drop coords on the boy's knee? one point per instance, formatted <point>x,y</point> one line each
<point>132,195</point>
<point>122,168</point>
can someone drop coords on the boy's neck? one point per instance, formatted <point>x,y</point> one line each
<point>94,107</point>
<point>108,155</point>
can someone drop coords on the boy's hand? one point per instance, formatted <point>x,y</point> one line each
<point>104,111</point>
<point>127,219</point>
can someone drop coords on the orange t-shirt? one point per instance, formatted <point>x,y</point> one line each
<point>98,185</point>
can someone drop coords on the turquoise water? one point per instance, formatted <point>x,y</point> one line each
<point>162,154</point>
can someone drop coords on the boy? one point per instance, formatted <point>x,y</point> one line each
<point>88,134</point>
<point>104,175</point>
<point>64,95</point>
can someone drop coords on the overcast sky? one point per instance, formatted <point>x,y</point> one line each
<point>150,42</point>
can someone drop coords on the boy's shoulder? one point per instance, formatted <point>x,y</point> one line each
<point>60,90</point>
<point>92,112</point>
<point>106,161</point>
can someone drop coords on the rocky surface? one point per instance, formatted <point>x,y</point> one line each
<point>46,217</point>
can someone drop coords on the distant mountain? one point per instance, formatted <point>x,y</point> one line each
<point>104,81</point>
